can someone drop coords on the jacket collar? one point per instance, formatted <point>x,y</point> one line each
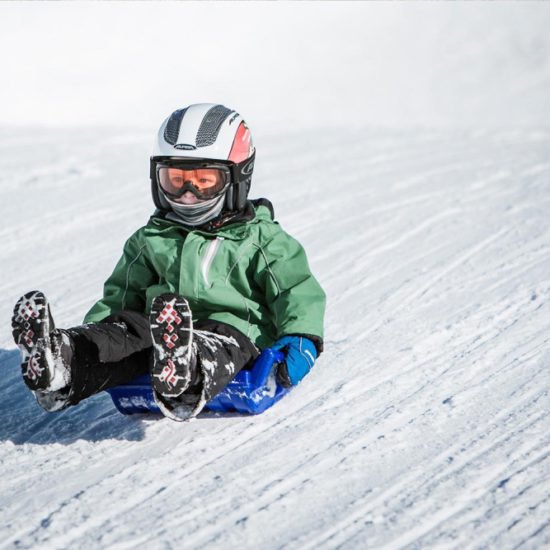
<point>232,225</point>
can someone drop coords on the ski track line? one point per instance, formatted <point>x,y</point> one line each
<point>534,534</point>
<point>273,492</point>
<point>514,273</point>
<point>38,532</point>
<point>436,373</point>
<point>475,500</point>
<point>442,472</point>
<point>145,484</point>
<point>463,258</point>
<point>285,488</point>
<point>71,223</point>
<point>495,341</point>
<point>426,177</point>
<point>449,536</point>
<point>352,265</point>
<point>512,365</point>
<point>101,474</point>
<point>510,510</point>
<point>208,463</point>
<point>405,237</point>
<point>427,286</point>
<point>432,376</point>
<point>474,384</point>
<point>397,425</point>
<point>390,206</point>
<point>77,264</point>
<point>85,523</point>
<point>454,353</point>
<point>263,507</point>
<point>179,475</point>
<point>368,279</point>
<point>405,422</point>
<point>509,528</point>
<point>509,513</point>
<point>408,396</point>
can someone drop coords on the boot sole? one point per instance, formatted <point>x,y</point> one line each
<point>31,332</point>
<point>172,332</point>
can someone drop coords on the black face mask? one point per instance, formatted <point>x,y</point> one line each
<point>194,214</point>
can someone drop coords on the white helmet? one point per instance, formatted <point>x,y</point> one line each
<point>206,134</point>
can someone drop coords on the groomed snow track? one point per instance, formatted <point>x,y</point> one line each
<point>425,422</point>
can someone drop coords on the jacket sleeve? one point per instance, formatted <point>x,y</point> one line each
<point>294,297</point>
<point>125,288</point>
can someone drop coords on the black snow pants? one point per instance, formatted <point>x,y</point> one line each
<point>119,349</point>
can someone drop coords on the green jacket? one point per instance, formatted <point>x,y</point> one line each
<point>250,275</point>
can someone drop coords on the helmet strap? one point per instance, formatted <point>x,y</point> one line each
<point>230,197</point>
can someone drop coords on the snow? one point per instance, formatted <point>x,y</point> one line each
<point>303,64</point>
<point>423,424</point>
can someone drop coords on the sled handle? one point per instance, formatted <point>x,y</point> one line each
<point>264,365</point>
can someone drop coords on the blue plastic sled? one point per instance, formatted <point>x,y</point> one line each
<point>250,392</point>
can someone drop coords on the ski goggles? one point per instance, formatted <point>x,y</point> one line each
<point>205,181</point>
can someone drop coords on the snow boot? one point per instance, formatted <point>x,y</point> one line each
<point>174,367</point>
<point>46,351</point>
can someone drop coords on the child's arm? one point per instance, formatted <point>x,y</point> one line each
<point>297,303</point>
<point>292,293</point>
<point>125,288</point>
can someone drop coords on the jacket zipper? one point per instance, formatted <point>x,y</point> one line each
<point>209,257</point>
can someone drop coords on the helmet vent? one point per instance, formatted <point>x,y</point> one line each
<point>172,130</point>
<point>211,124</point>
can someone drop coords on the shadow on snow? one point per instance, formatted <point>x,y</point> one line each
<point>25,422</point>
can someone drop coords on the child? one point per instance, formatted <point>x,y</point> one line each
<point>207,283</point>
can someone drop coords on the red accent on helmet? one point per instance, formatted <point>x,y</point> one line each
<point>241,145</point>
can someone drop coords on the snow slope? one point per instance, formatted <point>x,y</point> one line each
<point>424,423</point>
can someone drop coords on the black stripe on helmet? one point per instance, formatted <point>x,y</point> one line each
<point>210,126</point>
<point>172,130</point>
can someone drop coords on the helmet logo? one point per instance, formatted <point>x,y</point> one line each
<point>247,169</point>
<point>185,146</point>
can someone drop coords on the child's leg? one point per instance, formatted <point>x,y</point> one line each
<point>192,363</point>
<point>91,378</point>
<point>109,353</point>
<point>222,352</point>
<point>62,367</point>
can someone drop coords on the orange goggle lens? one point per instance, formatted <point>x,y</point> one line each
<point>203,182</point>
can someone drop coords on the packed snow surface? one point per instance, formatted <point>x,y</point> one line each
<point>423,424</point>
